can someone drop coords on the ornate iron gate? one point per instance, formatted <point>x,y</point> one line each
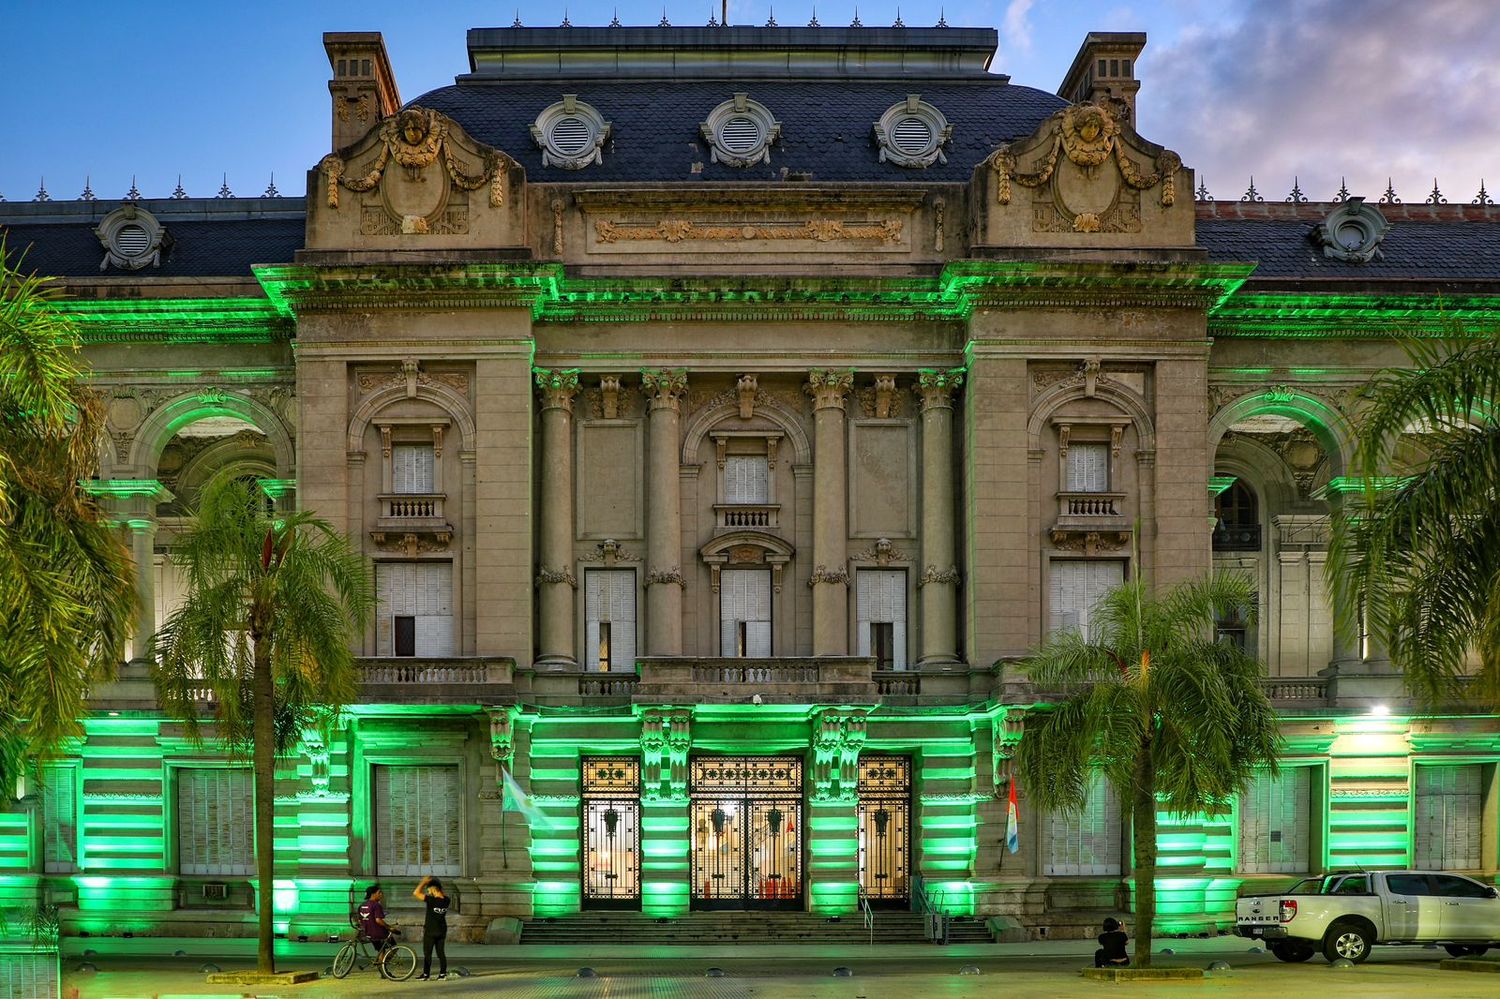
<point>885,829</point>
<point>747,832</point>
<point>611,833</point>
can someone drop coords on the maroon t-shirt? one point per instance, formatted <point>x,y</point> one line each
<point>369,912</point>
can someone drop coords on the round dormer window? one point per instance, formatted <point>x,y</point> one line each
<point>132,238</point>
<point>1352,232</point>
<point>912,134</point>
<point>571,134</point>
<point>740,132</point>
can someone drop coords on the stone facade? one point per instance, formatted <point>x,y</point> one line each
<point>754,465</point>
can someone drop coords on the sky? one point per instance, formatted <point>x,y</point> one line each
<point>1316,90</point>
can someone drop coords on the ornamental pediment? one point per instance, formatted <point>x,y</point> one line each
<point>416,181</point>
<point>1084,179</point>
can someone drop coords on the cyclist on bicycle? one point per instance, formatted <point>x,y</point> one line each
<point>372,924</point>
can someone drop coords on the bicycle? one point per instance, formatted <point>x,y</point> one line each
<point>396,961</point>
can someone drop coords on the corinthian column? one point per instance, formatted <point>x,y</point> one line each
<point>939,581</point>
<point>554,578</point>
<point>830,577</point>
<point>664,390</point>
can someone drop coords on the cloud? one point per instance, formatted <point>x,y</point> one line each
<point>1017,24</point>
<point>1324,89</point>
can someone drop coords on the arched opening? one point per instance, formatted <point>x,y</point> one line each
<point>1237,526</point>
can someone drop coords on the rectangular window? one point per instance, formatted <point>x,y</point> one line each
<point>1089,842</point>
<point>418,821</point>
<point>215,821</point>
<point>1274,823</point>
<point>880,616</point>
<point>609,619</point>
<point>746,479</point>
<point>421,593</point>
<point>1077,587</point>
<point>59,818</point>
<point>1088,468</point>
<point>745,613</point>
<point>412,467</point>
<point>1449,817</point>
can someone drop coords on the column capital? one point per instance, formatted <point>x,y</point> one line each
<point>829,387</point>
<point>936,387</point>
<point>556,388</point>
<point>664,387</point>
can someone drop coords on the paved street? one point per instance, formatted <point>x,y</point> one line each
<point>130,969</point>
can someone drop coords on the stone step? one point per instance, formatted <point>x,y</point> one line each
<point>731,927</point>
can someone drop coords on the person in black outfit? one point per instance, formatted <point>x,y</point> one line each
<point>435,933</point>
<point>1111,952</point>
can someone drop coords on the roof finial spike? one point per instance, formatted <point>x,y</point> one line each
<point>1343,194</point>
<point>565,22</point>
<point>1251,194</point>
<point>942,19</point>
<point>1389,197</point>
<point>713,21</point>
<point>224,191</point>
<point>771,21</point>
<point>664,23</point>
<point>614,22</point>
<point>134,193</point>
<point>271,191</point>
<point>88,192</point>
<point>1483,197</point>
<point>41,192</point>
<point>898,23</point>
<point>179,193</point>
<point>1202,193</point>
<point>814,22</point>
<point>517,22</point>
<point>1436,197</point>
<point>856,23</point>
<point>1296,197</point>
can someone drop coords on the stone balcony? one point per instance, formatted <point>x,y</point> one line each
<point>402,679</point>
<point>747,516</point>
<point>411,515</point>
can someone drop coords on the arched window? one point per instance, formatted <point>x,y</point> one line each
<point>1238,520</point>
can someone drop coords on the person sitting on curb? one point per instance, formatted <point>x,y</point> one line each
<point>1111,952</point>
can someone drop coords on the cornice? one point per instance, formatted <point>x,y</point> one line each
<point>177,320</point>
<point>1339,315</point>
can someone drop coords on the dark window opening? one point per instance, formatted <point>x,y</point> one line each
<point>405,628</point>
<point>883,644</point>
<point>741,638</point>
<point>604,659</point>
<point>1237,520</point>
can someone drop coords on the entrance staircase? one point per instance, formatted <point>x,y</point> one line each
<point>753,927</point>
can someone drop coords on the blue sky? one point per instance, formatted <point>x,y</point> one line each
<point>1319,89</point>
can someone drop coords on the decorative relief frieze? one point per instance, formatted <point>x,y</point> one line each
<point>823,574</point>
<point>838,737</point>
<point>1089,542</point>
<point>746,389</point>
<point>609,552</point>
<point>939,574</point>
<point>416,139</point>
<point>412,545</point>
<point>887,231</point>
<point>672,574</point>
<point>547,574</point>
<point>882,552</point>
<point>412,375</point>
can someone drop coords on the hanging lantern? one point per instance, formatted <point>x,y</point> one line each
<point>882,820</point>
<point>773,821</point>
<point>719,817</point>
<point>611,820</point>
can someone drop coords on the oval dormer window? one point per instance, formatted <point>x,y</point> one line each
<point>912,134</point>
<point>571,134</point>
<point>740,132</point>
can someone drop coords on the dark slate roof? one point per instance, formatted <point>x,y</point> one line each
<point>1411,249</point>
<point>217,248</point>
<point>826,125</point>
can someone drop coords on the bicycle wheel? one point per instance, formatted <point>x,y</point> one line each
<point>400,963</point>
<point>343,961</point>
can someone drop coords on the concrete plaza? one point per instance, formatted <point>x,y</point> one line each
<point>134,969</point>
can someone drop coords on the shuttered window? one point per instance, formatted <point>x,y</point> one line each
<point>1077,586</point>
<point>746,479</point>
<point>59,817</point>
<point>215,821</point>
<point>1449,817</point>
<point>609,620</point>
<point>1087,843</point>
<point>423,592</point>
<point>1275,813</point>
<point>745,613</point>
<point>412,468</point>
<point>880,599</point>
<point>418,819</point>
<point>1088,468</point>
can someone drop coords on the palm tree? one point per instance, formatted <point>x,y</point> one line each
<point>1415,557</point>
<point>69,599</point>
<point>1169,716</point>
<point>273,603</point>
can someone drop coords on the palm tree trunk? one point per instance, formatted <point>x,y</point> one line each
<point>1143,808</point>
<point>262,694</point>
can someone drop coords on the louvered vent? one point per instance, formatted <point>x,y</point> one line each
<point>570,135</point>
<point>912,135</point>
<point>740,134</point>
<point>132,240</point>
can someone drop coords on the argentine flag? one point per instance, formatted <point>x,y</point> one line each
<point>1012,823</point>
<point>517,800</point>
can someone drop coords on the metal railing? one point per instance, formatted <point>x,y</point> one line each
<point>869,914</point>
<point>930,904</point>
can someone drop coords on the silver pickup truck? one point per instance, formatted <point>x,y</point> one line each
<point>1344,915</point>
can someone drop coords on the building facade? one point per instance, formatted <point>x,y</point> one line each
<point>724,410</point>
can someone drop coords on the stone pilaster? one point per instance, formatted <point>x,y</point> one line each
<point>555,582</point>
<point>830,576</point>
<point>664,390</point>
<point>666,737</point>
<point>939,579</point>
<point>143,550</point>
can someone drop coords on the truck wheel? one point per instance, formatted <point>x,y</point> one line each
<point>1459,950</point>
<point>1347,940</point>
<point>1291,953</point>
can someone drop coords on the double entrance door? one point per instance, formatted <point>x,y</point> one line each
<point>746,832</point>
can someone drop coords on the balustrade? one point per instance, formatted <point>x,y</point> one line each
<point>1075,506</point>
<point>743,515</point>
<point>398,508</point>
